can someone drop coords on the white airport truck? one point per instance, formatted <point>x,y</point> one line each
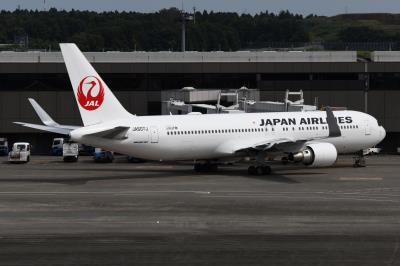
<point>21,153</point>
<point>70,152</point>
<point>57,147</point>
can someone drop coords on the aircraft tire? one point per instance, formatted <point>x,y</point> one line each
<point>252,170</point>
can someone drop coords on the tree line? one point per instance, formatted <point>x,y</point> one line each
<point>127,31</point>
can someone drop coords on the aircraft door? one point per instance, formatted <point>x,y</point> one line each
<point>270,130</point>
<point>154,134</point>
<point>367,128</point>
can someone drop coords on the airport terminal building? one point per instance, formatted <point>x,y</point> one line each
<point>138,78</point>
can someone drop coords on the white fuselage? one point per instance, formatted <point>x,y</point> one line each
<point>191,137</point>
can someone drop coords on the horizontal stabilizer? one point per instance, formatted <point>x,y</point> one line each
<point>114,133</point>
<point>58,130</point>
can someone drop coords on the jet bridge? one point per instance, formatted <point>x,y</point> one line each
<point>190,100</point>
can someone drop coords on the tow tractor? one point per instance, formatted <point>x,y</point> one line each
<point>20,153</point>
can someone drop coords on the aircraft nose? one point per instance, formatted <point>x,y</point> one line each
<point>382,133</point>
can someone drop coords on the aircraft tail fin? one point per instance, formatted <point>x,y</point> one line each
<point>95,100</point>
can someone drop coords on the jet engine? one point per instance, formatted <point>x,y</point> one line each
<point>316,155</point>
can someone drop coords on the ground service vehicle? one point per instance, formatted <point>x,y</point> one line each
<point>101,156</point>
<point>313,139</point>
<point>21,152</point>
<point>57,147</point>
<point>70,152</point>
<point>372,151</point>
<point>3,146</point>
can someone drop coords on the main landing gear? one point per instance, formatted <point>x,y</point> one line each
<point>205,167</point>
<point>259,170</point>
<point>359,160</point>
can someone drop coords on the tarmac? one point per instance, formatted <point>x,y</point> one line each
<point>85,213</point>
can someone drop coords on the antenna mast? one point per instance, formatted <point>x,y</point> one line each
<point>185,18</point>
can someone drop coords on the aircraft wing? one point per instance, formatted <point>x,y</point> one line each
<point>49,124</point>
<point>243,145</point>
<point>53,129</point>
<point>286,144</point>
<point>46,119</point>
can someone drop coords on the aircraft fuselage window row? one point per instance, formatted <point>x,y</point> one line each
<point>349,127</point>
<point>248,130</point>
<point>216,131</point>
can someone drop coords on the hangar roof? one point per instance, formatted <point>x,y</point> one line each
<point>190,57</point>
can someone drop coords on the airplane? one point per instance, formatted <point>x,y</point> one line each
<point>313,138</point>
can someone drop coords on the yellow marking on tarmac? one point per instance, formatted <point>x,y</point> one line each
<point>360,178</point>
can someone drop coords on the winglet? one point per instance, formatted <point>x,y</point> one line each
<point>46,119</point>
<point>334,130</point>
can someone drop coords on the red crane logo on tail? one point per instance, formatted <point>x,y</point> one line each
<point>90,93</point>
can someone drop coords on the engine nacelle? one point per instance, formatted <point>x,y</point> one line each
<point>316,155</point>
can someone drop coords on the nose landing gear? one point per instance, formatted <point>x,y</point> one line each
<point>359,160</point>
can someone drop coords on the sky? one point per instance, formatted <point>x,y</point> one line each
<point>305,7</point>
